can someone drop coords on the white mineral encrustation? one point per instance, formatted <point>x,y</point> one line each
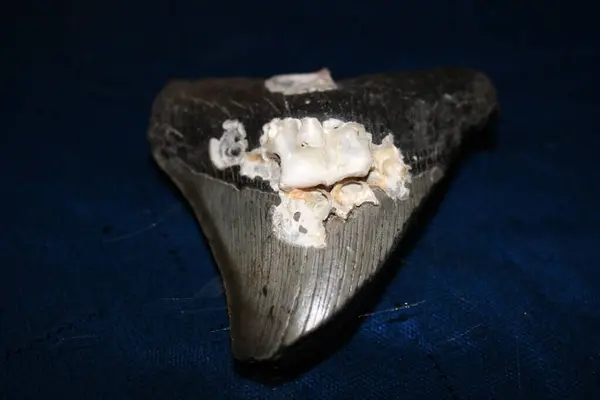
<point>292,84</point>
<point>318,169</point>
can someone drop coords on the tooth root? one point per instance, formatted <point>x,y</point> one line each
<point>278,294</point>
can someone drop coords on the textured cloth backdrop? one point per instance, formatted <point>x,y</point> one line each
<point>107,289</point>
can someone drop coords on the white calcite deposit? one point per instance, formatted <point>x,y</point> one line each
<point>231,148</point>
<point>318,169</point>
<point>291,84</point>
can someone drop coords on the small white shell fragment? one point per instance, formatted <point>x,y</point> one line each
<point>318,169</point>
<point>256,164</point>
<point>230,149</point>
<point>290,84</point>
<point>389,173</point>
<point>299,218</point>
<point>347,195</point>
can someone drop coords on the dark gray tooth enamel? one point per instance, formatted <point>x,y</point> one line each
<point>277,294</point>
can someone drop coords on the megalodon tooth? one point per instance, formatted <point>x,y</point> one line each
<point>304,186</point>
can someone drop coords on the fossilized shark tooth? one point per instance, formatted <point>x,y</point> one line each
<point>304,186</point>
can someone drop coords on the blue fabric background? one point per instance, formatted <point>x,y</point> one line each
<point>107,289</point>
